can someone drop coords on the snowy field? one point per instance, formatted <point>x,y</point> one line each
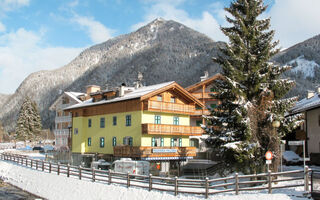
<point>52,186</point>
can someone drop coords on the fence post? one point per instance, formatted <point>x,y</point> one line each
<point>237,183</point>
<point>68,170</point>
<point>207,187</point>
<point>36,164</point>
<point>269,182</point>
<point>109,176</point>
<point>42,165</point>
<point>150,182</point>
<point>306,179</point>
<point>58,170</point>
<point>49,166</point>
<point>93,175</point>
<point>128,180</point>
<point>31,163</point>
<point>175,186</point>
<point>27,162</point>
<point>79,172</point>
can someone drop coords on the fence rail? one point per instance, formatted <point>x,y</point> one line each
<point>176,185</point>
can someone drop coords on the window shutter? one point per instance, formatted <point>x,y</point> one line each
<point>180,142</point>
<point>153,141</point>
<point>172,142</point>
<point>130,141</point>
<point>124,140</point>
<point>161,142</point>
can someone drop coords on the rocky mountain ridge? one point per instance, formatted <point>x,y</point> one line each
<point>162,51</point>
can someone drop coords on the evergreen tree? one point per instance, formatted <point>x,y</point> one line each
<point>251,93</point>
<point>29,121</point>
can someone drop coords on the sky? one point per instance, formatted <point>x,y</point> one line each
<point>47,34</point>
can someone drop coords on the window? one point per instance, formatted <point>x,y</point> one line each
<point>175,120</point>
<point>128,120</point>
<point>114,120</point>
<point>102,122</point>
<point>194,142</point>
<point>114,141</point>
<point>128,141</point>
<point>157,142</point>
<point>176,142</point>
<point>198,123</point>
<point>102,142</point>
<point>157,119</point>
<point>159,97</point>
<point>76,131</point>
<point>76,114</point>
<point>172,100</point>
<point>89,141</point>
<point>89,123</point>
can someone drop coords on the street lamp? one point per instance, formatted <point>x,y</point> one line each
<point>275,124</point>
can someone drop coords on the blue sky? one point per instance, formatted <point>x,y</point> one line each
<point>47,34</point>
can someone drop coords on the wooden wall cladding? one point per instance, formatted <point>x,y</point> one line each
<point>116,107</point>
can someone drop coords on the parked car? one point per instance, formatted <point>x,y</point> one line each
<point>100,164</point>
<point>37,148</point>
<point>127,165</point>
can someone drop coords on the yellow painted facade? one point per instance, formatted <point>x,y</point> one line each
<point>80,140</point>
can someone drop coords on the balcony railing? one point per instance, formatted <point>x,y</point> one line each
<point>61,132</point>
<point>206,95</point>
<point>63,119</point>
<point>164,129</point>
<point>202,112</point>
<point>169,107</point>
<point>152,152</point>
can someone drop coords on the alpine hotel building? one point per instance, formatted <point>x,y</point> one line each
<point>148,123</point>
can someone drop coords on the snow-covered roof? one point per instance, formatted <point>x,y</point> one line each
<point>136,93</point>
<point>72,95</point>
<point>306,104</point>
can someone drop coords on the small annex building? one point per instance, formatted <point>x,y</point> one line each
<point>310,107</point>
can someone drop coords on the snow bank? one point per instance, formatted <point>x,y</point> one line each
<point>52,186</point>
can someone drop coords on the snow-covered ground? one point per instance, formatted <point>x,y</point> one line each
<point>52,186</point>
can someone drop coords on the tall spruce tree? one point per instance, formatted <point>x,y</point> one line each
<point>252,92</point>
<point>29,121</point>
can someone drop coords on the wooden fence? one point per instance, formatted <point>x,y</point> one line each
<point>266,181</point>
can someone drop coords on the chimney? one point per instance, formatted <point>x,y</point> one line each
<point>92,88</point>
<point>122,88</point>
<point>205,77</point>
<point>310,94</point>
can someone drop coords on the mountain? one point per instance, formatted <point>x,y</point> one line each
<point>162,51</point>
<point>304,58</point>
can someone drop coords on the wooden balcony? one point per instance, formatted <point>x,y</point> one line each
<point>201,112</point>
<point>153,152</point>
<point>160,106</point>
<point>164,129</point>
<point>206,95</point>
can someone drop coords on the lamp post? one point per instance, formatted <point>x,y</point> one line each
<point>275,125</point>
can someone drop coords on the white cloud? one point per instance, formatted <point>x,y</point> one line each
<point>295,20</point>
<point>97,31</point>
<point>8,5</point>
<point>2,27</point>
<point>21,53</point>
<point>168,10</point>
